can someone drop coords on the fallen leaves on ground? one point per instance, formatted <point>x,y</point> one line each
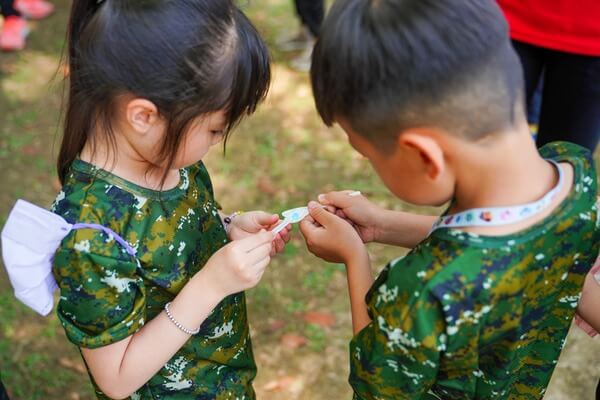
<point>323,319</point>
<point>293,340</point>
<point>276,325</point>
<point>74,365</point>
<point>280,383</point>
<point>266,185</point>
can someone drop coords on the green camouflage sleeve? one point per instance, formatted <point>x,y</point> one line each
<point>204,179</point>
<point>102,297</point>
<point>397,355</point>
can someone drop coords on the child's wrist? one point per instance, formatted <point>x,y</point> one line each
<point>358,255</point>
<point>203,286</point>
<point>196,300</point>
<point>380,222</point>
<point>229,220</point>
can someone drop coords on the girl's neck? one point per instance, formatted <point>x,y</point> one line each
<point>124,161</point>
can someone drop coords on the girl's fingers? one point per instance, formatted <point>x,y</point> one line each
<point>265,220</point>
<point>260,267</point>
<point>259,253</point>
<point>264,217</point>
<point>285,235</point>
<point>251,242</point>
<point>279,245</point>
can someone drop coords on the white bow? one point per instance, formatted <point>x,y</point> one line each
<point>30,239</point>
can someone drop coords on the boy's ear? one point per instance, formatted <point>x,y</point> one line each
<point>425,148</point>
<point>141,114</point>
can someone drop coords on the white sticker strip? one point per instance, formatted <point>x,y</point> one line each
<point>295,215</point>
<point>281,226</point>
<point>291,216</point>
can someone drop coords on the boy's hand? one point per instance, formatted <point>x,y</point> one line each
<point>330,237</point>
<point>249,223</point>
<point>357,210</point>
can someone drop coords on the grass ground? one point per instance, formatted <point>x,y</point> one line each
<point>278,159</point>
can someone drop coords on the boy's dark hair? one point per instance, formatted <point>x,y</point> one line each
<point>188,57</point>
<point>388,65</point>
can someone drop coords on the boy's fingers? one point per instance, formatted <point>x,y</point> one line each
<point>307,227</point>
<point>338,199</point>
<point>331,209</point>
<point>309,219</point>
<point>322,216</point>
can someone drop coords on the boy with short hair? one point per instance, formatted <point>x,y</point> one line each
<point>431,92</point>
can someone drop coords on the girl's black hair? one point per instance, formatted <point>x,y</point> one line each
<point>188,57</point>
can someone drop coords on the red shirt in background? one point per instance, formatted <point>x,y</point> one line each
<point>571,26</point>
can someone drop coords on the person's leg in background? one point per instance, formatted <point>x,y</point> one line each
<point>311,13</point>
<point>300,40</point>
<point>14,30</point>
<point>571,100</point>
<point>3,394</point>
<point>7,7</point>
<point>532,60</point>
<point>535,106</point>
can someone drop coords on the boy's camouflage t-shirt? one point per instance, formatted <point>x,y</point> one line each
<point>107,295</point>
<point>465,316</point>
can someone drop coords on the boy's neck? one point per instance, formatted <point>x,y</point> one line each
<point>509,171</point>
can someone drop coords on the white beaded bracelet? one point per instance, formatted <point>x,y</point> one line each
<point>178,325</point>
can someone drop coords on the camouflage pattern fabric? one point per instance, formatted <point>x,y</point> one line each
<point>466,316</point>
<point>107,295</point>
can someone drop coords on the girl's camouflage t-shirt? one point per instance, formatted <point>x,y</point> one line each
<point>107,295</point>
<point>466,316</point>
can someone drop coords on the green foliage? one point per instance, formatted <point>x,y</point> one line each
<point>317,337</point>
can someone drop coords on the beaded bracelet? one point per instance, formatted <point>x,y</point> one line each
<point>178,325</point>
<point>229,219</point>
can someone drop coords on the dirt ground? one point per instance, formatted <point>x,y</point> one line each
<point>278,159</point>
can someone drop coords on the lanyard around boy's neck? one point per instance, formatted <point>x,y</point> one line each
<point>498,216</point>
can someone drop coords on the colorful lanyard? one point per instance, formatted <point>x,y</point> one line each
<point>497,216</point>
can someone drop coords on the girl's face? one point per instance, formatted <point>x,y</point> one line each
<point>205,132</point>
<point>145,130</point>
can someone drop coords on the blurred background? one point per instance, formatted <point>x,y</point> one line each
<point>280,158</point>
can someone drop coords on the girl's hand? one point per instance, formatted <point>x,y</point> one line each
<point>330,237</point>
<point>249,223</point>
<point>357,210</point>
<point>240,264</point>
